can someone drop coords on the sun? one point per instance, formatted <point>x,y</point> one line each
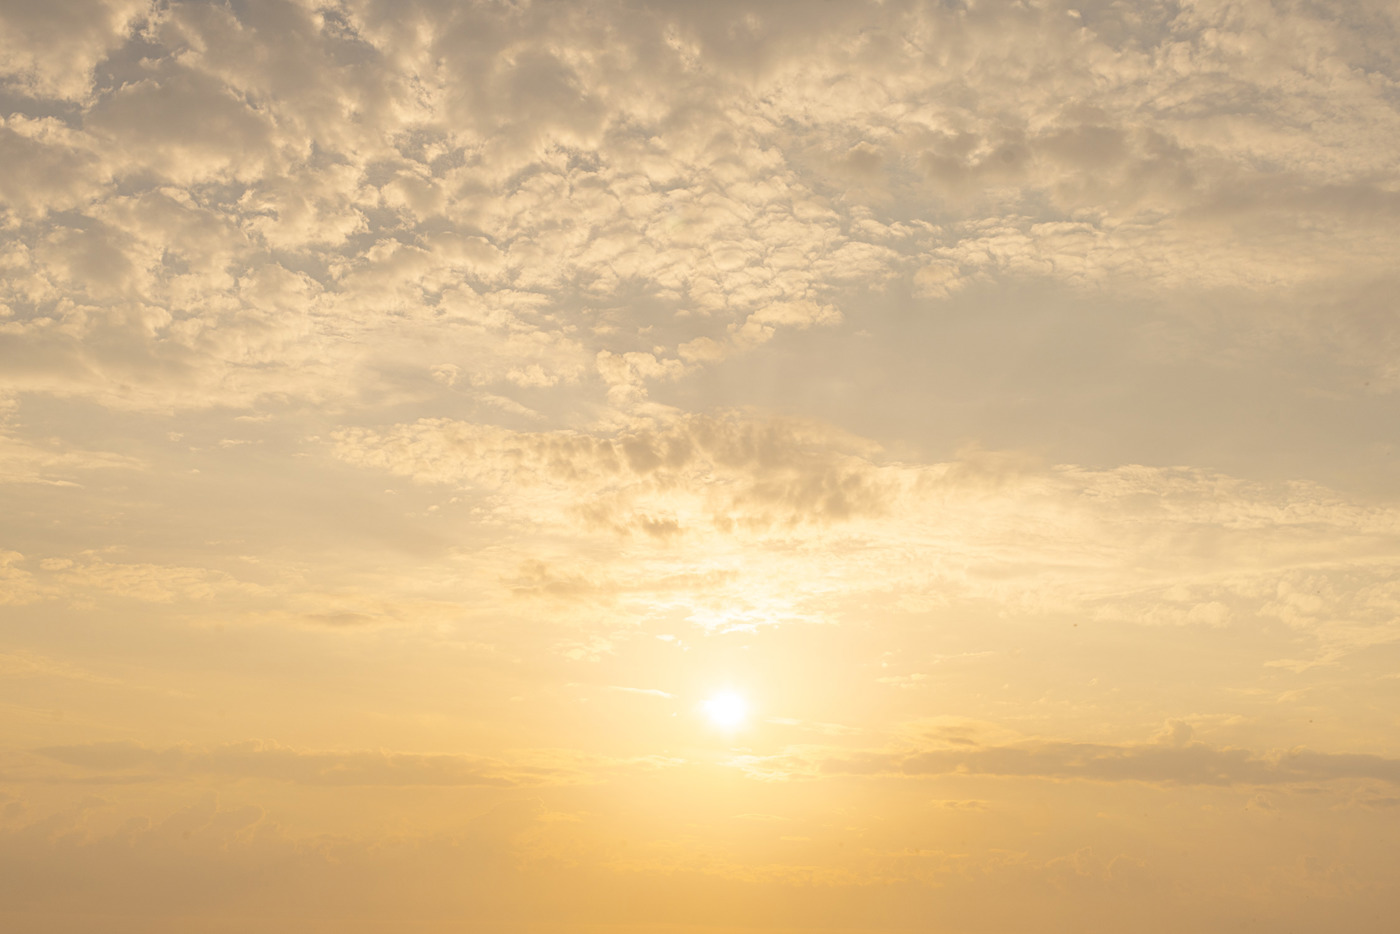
<point>726,710</point>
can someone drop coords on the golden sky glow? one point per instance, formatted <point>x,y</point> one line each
<point>551,467</point>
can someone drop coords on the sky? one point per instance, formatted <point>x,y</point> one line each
<point>699,468</point>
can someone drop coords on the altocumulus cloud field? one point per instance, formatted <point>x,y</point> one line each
<point>584,468</point>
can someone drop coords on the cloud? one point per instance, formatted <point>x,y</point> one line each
<point>25,664</point>
<point>121,762</point>
<point>524,263</point>
<point>734,471</point>
<point>25,461</point>
<point>1133,544</point>
<point>17,585</point>
<point>634,168</point>
<point>271,762</point>
<point>155,583</point>
<point>53,50</point>
<point>1174,759</point>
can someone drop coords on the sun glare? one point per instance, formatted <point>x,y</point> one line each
<point>728,711</point>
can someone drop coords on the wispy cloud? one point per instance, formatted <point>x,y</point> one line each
<point>269,761</point>
<point>1174,761</point>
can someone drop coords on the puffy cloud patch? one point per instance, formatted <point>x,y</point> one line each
<point>656,168</point>
<point>51,50</point>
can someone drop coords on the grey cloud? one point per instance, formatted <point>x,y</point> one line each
<point>762,472</point>
<point>45,169</point>
<point>185,124</point>
<point>51,49</point>
<point>785,471</point>
<point>1185,763</point>
<point>92,259</point>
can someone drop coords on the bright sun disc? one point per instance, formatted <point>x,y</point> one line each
<point>726,711</point>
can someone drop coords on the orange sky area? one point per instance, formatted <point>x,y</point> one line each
<point>699,468</point>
